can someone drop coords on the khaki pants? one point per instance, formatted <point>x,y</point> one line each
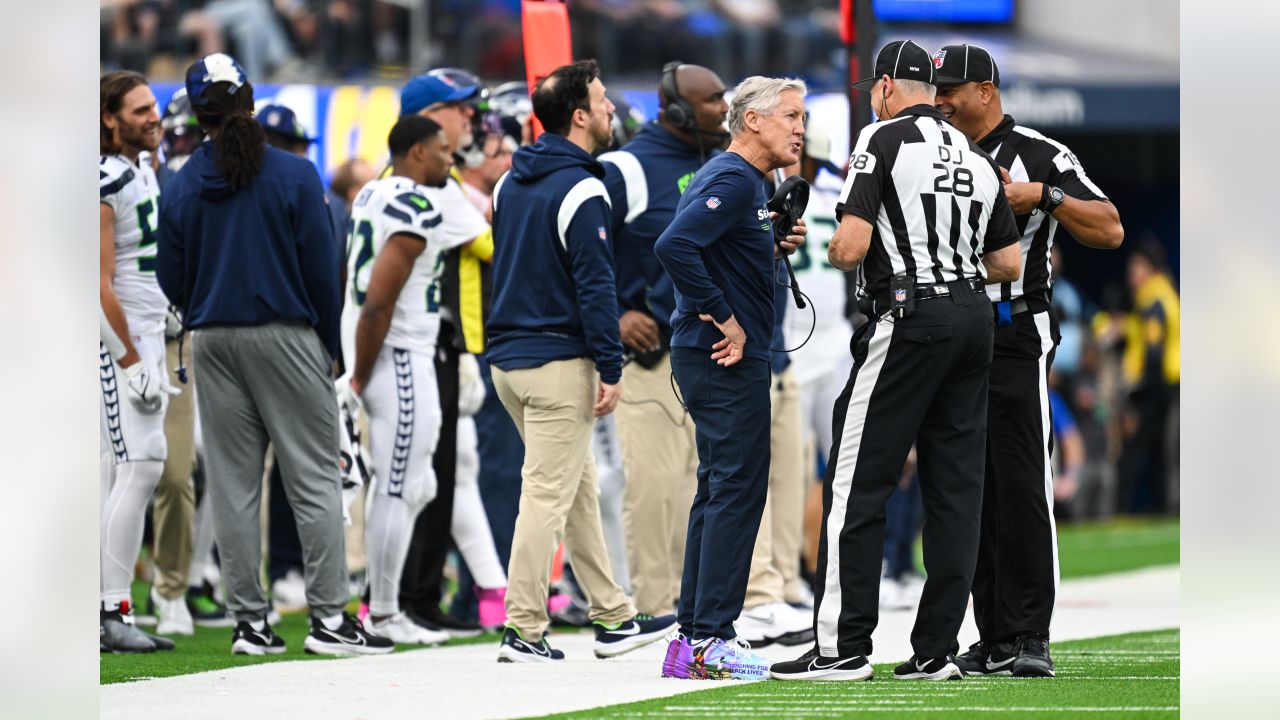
<point>559,495</point>
<point>660,462</point>
<point>175,499</point>
<point>775,562</point>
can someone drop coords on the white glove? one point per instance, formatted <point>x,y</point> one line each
<point>145,390</point>
<point>354,470</point>
<point>470,386</point>
<point>172,323</point>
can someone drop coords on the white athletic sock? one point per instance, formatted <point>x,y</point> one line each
<point>258,625</point>
<point>122,521</point>
<point>388,530</point>
<point>472,535</point>
<point>333,622</point>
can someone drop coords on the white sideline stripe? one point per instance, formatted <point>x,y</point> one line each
<point>1046,346</point>
<point>633,179</point>
<point>586,189</point>
<point>700,711</point>
<point>855,420</point>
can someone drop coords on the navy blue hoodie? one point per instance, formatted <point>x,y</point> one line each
<point>553,286</point>
<point>263,253</point>
<point>645,180</point>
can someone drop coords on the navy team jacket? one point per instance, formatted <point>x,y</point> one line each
<point>554,296</point>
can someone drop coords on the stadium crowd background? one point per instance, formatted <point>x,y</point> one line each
<point>1117,456</point>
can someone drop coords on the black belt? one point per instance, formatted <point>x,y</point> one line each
<point>881,303</point>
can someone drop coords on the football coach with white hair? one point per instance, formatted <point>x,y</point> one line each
<point>720,254</point>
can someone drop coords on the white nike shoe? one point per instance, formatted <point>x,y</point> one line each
<point>173,617</point>
<point>400,630</point>
<point>774,622</point>
<point>892,596</point>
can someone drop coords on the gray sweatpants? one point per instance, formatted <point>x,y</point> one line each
<point>260,384</point>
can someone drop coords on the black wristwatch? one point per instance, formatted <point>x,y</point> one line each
<point>1050,199</point>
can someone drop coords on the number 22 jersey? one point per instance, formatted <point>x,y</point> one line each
<point>387,207</point>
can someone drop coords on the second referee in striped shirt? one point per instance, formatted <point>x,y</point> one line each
<point>924,218</point>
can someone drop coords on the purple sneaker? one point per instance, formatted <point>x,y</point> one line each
<point>679,662</point>
<point>718,659</point>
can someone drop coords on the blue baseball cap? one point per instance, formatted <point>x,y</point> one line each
<point>280,119</point>
<point>424,91</point>
<point>216,68</point>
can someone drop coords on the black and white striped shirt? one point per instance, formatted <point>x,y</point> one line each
<point>1032,157</point>
<point>934,201</point>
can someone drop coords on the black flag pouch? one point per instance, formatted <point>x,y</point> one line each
<point>902,296</point>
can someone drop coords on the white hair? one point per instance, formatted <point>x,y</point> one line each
<point>918,87</point>
<point>761,94</point>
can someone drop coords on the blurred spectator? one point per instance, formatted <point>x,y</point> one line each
<point>251,26</point>
<point>1069,306</point>
<point>1152,370</point>
<point>347,180</point>
<point>1068,456</point>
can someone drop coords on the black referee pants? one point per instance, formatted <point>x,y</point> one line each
<point>422,582</point>
<point>1016,579</point>
<point>921,379</point>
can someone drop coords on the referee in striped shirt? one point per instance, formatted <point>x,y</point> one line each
<point>1017,573</point>
<point>923,217</point>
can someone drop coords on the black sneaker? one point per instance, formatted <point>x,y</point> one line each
<point>983,658</point>
<point>612,641</point>
<point>515,649</point>
<point>117,633</point>
<point>247,641</point>
<point>918,668</point>
<point>439,620</point>
<point>1032,657</point>
<point>813,666</point>
<point>348,639</point>
<point>205,610</point>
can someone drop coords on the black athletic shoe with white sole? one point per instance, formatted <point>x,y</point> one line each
<point>515,649</point>
<point>983,658</point>
<point>612,641</point>
<point>813,666</point>
<point>918,668</point>
<point>247,641</point>
<point>348,639</point>
<point>1032,657</point>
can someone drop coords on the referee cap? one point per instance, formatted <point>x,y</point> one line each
<point>900,60</point>
<point>959,64</point>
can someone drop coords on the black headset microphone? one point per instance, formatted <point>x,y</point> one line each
<point>679,112</point>
<point>789,202</point>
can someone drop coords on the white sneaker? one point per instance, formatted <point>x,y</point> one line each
<point>172,616</point>
<point>774,622</point>
<point>892,596</point>
<point>912,584</point>
<point>400,630</point>
<point>799,596</point>
<point>289,593</point>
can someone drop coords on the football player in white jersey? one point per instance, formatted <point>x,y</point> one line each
<point>132,371</point>
<point>394,263</point>
<point>822,365</point>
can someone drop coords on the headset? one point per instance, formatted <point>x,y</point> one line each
<point>678,111</point>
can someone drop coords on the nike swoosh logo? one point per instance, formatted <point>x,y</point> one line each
<point>813,664</point>
<point>634,629</point>
<point>998,665</point>
<point>921,667</point>
<point>535,649</point>
<point>357,641</point>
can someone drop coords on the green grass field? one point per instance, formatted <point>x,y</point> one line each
<point>1122,676</point>
<point>1084,549</point>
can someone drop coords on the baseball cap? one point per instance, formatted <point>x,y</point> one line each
<point>280,119</point>
<point>211,69</point>
<point>424,91</point>
<point>900,60</point>
<point>957,64</point>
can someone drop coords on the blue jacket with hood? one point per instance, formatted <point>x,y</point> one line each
<point>263,253</point>
<point>553,284</point>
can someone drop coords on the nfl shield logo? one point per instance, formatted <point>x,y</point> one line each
<point>900,295</point>
<point>937,58</point>
<point>713,203</point>
<point>603,235</point>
